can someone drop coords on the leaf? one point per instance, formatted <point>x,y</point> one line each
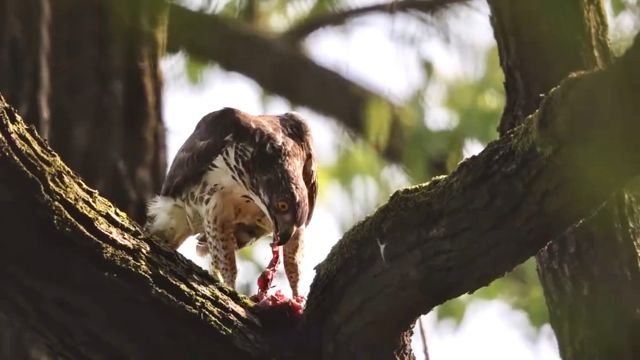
<point>194,68</point>
<point>378,126</point>
<point>618,6</point>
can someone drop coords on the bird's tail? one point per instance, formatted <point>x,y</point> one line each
<point>167,220</point>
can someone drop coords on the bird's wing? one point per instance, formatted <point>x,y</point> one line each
<point>212,134</point>
<point>296,128</point>
<point>311,180</point>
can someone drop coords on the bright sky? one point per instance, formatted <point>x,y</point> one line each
<point>373,51</point>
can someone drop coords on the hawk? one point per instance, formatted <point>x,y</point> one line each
<point>236,179</point>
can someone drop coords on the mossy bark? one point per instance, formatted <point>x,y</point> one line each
<point>590,274</point>
<point>25,81</point>
<point>80,274</point>
<point>437,241</point>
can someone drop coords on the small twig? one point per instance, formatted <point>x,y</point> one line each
<point>423,337</point>
<point>303,29</point>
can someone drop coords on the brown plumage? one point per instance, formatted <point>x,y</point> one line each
<point>237,178</point>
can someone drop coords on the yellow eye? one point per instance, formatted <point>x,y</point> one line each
<point>282,206</point>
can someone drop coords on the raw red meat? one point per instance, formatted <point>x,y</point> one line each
<point>278,299</point>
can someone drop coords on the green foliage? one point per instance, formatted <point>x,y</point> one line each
<point>194,69</point>
<point>624,25</point>
<point>620,5</point>
<point>355,159</point>
<point>476,106</point>
<point>356,162</point>
<point>479,103</point>
<point>276,15</point>
<point>378,122</point>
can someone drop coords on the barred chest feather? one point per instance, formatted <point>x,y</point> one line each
<point>226,188</point>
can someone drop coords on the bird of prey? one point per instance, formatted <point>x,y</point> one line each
<point>237,178</point>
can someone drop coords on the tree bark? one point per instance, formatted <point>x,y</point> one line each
<point>106,96</point>
<point>93,66</point>
<point>591,280</point>
<point>541,43</point>
<point>103,62</point>
<point>584,270</point>
<point>24,78</point>
<point>80,274</point>
<point>87,280</point>
<point>432,243</point>
<point>24,58</point>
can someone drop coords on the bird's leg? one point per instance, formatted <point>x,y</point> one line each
<point>292,257</point>
<point>228,242</point>
<point>222,249</point>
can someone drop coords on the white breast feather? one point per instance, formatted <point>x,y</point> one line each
<point>222,175</point>
<point>178,217</point>
<point>166,213</point>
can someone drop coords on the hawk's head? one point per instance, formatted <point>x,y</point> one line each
<point>280,185</point>
<point>284,172</point>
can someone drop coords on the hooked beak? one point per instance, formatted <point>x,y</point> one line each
<point>282,236</point>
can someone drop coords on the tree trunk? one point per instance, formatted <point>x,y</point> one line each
<point>24,58</point>
<point>24,79</point>
<point>591,280</point>
<point>591,274</point>
<point>92,65</point>
<point>106,96</point>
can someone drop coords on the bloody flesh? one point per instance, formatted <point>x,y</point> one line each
<point>266,278</point>
<point>278,299</point>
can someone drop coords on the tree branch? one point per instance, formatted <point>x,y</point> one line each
<point>590,274</point>
<point>304,29</point>
<point>81,275</point>
<point>564,44</point>
<point>434,242</point>
<point>280,68</point>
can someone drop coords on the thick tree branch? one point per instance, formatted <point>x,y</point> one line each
<point>550,38</point>
<point>302,30</point>
<point>280,68</point>
<point>82,276</point>
<point>454,235</point>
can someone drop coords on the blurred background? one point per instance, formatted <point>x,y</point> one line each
<point>435,70</point>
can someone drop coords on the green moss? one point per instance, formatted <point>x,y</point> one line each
<point>82,213</point>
